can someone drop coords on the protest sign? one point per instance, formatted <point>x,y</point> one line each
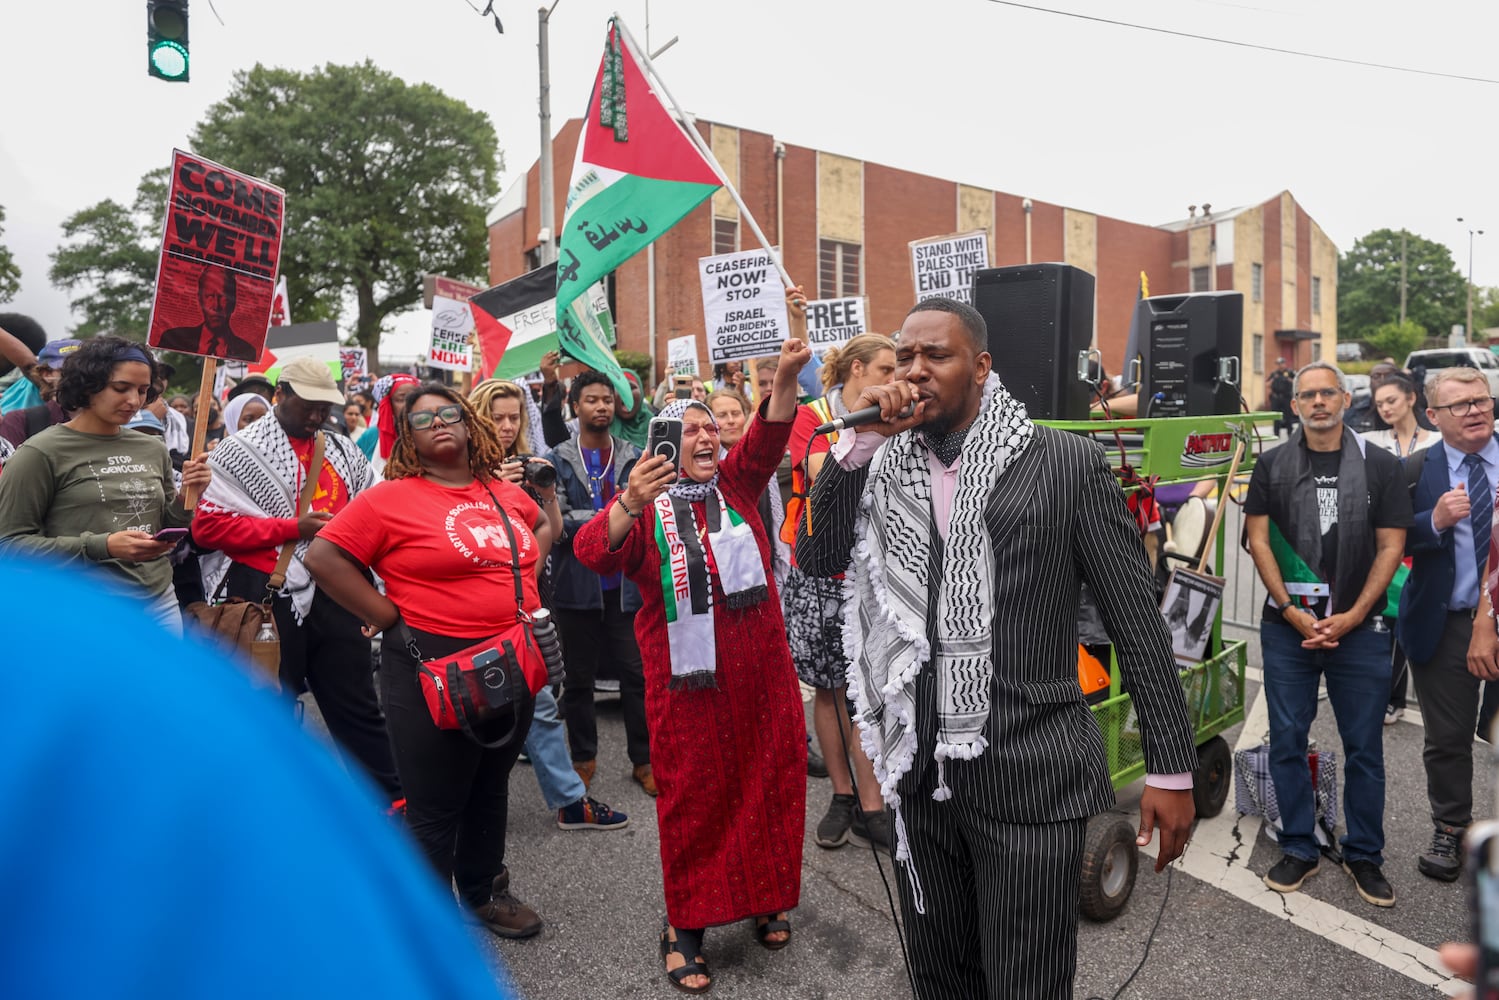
<point>355,361</point>
<point>834,322</point>
<point>517,322</point>
<point>681,355</point>
<point>451,324</point>
<point>220,248</point>
<point>945,265</point>
<point>744,305</point>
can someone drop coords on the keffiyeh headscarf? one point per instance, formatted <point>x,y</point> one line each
<point>724,544</point>
<point>386,420</point>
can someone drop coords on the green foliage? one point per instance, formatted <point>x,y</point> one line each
<point>1485,310</point>
<point>107,262</point>
<point>10,271</point>
<point>1395,339</point>
<point>1369,285</point>
<point>640,364</point>
<point>385,181</point>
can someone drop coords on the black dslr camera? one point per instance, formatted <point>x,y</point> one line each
<point>535,471</point>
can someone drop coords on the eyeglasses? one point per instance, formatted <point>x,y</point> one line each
<point>1311,394</point>
<point>1467,406</point>
<point>423,419</point>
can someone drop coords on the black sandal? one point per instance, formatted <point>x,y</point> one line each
<point>773,925</point>
<point>689,944</point>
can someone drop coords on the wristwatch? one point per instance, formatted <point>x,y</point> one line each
<point>1290,603</point>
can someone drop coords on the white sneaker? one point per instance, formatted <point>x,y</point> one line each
<point>1393,715</point>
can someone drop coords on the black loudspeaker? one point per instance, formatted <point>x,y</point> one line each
<point>1189,353</point>
<point>1040,319</point>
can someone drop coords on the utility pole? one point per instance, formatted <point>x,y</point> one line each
<point>547,250</point>
<point>1402,278</point>
<point>1468,330</point>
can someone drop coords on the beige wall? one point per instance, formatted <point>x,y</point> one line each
<point>1324,257</point>
<point>840,198</point>
<point>1080,239</point>
<point>1249,249</point>
<point>976,211</point>
<point>724,142</point>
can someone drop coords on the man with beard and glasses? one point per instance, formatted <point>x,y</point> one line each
<point>968,532</point>
<point>1325,519</point>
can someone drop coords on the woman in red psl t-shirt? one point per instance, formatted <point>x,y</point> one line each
<point>433,532</point>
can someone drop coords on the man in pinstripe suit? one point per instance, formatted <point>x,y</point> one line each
<point>971,532</point>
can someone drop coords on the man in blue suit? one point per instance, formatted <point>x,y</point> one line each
<point>1446,623</point>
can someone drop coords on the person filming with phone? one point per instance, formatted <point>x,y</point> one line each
<point>94,490</point>
<point>727,733</point>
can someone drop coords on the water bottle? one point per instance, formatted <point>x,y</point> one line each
<point>545,632</point>
<point>266,633</point>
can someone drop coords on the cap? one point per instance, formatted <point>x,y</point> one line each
<point>311,379</point>
<point>55,352</point>
<point>145,420</point>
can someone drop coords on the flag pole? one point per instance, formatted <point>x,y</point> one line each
<point>686,122</point>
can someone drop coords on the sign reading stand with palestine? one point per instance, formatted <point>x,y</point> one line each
<point>945,265</point>
<point>834,322</point>
<point>744,306</point>
<point>220,249</point>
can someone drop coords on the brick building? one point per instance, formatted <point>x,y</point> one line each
<point>844,226</point>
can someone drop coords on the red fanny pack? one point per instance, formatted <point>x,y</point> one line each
<point>482,682</point>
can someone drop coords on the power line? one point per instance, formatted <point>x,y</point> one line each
<point>1248,45</point>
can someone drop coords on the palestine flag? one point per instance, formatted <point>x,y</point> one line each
<point>636,175</point>
<point>517,322</point>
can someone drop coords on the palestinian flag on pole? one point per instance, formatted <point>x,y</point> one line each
<point>636,175</point>
<point>517,322</point>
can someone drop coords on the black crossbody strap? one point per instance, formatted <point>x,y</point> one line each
<point>520,594</point>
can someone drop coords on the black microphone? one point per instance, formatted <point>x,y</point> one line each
<point>858,418</point>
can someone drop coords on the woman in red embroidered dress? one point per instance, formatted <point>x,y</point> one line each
<point>728,734</point>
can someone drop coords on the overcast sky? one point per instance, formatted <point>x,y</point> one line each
<point>1117,121</point>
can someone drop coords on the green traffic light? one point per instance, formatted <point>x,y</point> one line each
<point>169,59</point>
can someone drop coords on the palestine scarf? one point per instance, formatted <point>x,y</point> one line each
<point>690,557</point>
<point>386,419</point>
<point>888,589</point>
<point>256,474</point>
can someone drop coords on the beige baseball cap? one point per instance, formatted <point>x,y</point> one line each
<point>311,379</point>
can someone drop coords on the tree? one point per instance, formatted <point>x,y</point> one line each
<point>1369,285</point>
<point>1485,310</point>
<point>10,272</point>
<point>385,182</point>
<point>1395,340</point>
<point>107,263</point>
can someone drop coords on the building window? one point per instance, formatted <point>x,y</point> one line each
<point>1258,348</point>
<point>1200,279</point>
<point>838,269</point>
<point>1316,296</point>
<point>725,235</point>
<point>1316,349</point>
<point>1257,282</point>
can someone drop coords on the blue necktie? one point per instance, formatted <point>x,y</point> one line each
<point>1481,497</point>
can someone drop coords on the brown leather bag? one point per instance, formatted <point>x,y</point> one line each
<point>234,624</point>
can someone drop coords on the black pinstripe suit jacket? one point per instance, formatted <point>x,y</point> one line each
<point>1057,519</point>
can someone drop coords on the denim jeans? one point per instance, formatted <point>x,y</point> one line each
<point>1358,688</point>
<point>546,745</point>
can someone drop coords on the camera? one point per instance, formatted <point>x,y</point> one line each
<point>535,471</point>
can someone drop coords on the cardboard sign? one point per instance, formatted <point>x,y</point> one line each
<point>355,361</point>
<point>744,306</point>
<point>451,325</point>
<point>944,265</point>
<point>834,322</point>
<point>517,321</point>
<point>681,355</point>
<point>220,249</point>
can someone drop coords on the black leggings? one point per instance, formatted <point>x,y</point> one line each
<point>456,791</point>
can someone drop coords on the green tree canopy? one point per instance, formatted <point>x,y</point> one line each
<point>1395,339</point>
<point>385,181</point>
<point>1369,285</point>
<point>10,272</point>
<point>107,262</point>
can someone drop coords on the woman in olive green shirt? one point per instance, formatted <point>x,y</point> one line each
<point>90,489</point>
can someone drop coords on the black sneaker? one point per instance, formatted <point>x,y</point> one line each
<point>832,830</point>
<point>1443,860</point>
<point>1290,872</point>
<point>816,766</point>
<point>1370,882</point>
<point>871,828</point>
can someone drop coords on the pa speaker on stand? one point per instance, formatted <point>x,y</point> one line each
<point>1189,353</point>
<point>1040,319</point>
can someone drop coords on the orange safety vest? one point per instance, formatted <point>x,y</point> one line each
<point>798,506</point>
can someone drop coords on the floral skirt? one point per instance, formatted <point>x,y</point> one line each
<point>813,609</point>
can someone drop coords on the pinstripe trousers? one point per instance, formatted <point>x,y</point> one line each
<point>1001,898</point>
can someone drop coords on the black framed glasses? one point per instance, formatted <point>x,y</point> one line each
<point>423,419</point>
<point>1310,394</point>
<point>1466,406</point>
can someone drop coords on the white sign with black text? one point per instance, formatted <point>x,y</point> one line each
<point>945,265</point>
<point>744,306</point>
<point>834,322</point>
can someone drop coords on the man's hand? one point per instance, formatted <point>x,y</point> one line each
<point>310,523</point>
<point>1327,631</point>
<point>1452,507</point>
<point>195,477</point>
<point>892,399</point>
<point>136,546</point>
<point>551,366</point>
<point>1173,812</point>
<point>1483,649</point>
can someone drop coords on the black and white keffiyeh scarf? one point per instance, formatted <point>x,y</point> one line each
<point>887,588</point>
<point>256,474</point>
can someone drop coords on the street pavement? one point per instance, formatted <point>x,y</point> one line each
<point>1220,932</point>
